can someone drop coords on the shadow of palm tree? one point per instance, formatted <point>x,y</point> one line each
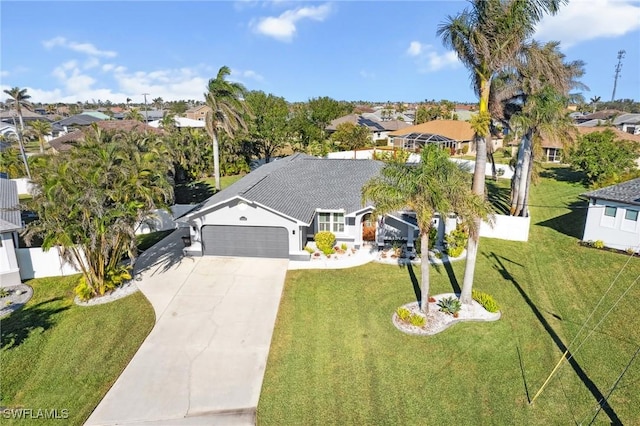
<point>17,326</point>
<point>601,400</point>
<point>572,223</point>
<point>499,197</point>
<point>193,192</point>
<point>163,256</point>
<point>563,174</point>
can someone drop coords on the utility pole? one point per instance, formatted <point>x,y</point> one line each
<point>146,113</point>
<point>618,69</point>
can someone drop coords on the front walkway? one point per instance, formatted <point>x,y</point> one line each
<point>204,361</point>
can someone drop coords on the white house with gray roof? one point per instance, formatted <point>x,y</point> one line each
<point>612,216</point>
<point>10,223</point>
<point>276,209</point>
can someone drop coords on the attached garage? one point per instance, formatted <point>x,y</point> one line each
<point>245,241</point>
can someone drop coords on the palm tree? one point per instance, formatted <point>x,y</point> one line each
<point>488,39</point>
<point>11,163</point>
<point>128,100</point>
<point>134,114</point>
<point>594,101</point>
<point>41,129</point>
<point>19,99</point>
<point>226,115</point>
<point>158,103</point>
<point>435,185</point>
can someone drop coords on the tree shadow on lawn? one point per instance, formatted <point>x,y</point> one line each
<point>415,283</point>
<point>17,326</point>
<point>499,197</point>
<point>563,174</point>
<point>499,265</point>
<point>572,223</point>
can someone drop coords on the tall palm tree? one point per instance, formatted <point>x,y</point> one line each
<point>158,103</point>
<point>227,113</point>
<point>488,38</point>
<point>435,185</point>
<point>594,101</point>
<point>20,99</point>
<point>41,128</point>
<point>544,79</point>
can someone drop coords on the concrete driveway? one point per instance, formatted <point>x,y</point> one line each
<point>204,361</point>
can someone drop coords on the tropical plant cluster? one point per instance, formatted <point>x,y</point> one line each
<point>456,241</point>
<point>486,300</point>
<point>408,317</point>
<point>450,305</point>
<point>91,199</point>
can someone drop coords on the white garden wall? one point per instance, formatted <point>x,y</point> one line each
<point>24,185</point>
<point>507,228</point>
<point>36,263</point>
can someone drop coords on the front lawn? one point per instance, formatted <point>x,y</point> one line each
<point>336,358</point>
<point>57,355</point>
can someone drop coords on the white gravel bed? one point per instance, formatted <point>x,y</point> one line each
<point>124,290</point>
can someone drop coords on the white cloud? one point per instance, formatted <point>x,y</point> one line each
<point>429,60</point>
<point>252,75</point>
<point>415,47</point>
<point>86,48</point>
<point>583,20</point>
<point>4,74</point>
<point>283,27</point>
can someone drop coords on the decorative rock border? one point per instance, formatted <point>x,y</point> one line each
<point>124,290</point>
<point>18,296</point>
<point>432,259</point>
<point>439,321</point>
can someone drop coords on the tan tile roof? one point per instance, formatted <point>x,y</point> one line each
<point>452,129</point>
<point>65,142</point>
<point>555,143</point>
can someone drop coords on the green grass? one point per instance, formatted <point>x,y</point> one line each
<point>57,355</point>
<point>146,241</point>
<point>336,358</point>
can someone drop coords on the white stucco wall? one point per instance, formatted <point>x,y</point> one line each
<point>615,232</point>
<point>507,228</point>
<point>24,185</point>
<point>36,263</point>
<point>231,213</point>
<point>9,271</point>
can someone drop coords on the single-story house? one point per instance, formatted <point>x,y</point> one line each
<point>276,210</point>
<point>612,216</point>
<point>10,224</point>
<point>628,123</point>
<point>378,129</point>
<point>452,134</point>
<point>66,142</point>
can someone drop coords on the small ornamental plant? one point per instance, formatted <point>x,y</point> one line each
<point>450,305</point>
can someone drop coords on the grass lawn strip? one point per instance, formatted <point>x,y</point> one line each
<point>336,358</point>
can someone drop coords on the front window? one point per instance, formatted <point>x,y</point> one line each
<point>333,222</point>
<point>631,215</point>
<point>610,211</point>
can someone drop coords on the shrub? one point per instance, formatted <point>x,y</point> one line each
<point>343,246</point>
<point>465,149</point>
<point>4,292</point>
<point>450,305</point>
<point>325,241</point>
<point>486,300</point>
<point>455,251</point>
<point>309,249</point>
<point>417,245</point>
<point>417,320</point>
<point>403,313</point>
<point>599,244</point>
<point>433,236</point>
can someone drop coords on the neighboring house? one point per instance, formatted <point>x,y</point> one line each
<point>198,113</point>
<point>8,131</point>
<point>276,209</point>
<point>27,116</point>
<point>378,129</point>
<point>97,114</point>
<point>612,216</point>
<point>628,123</point>
<point>452,134</point>
<point>181,122</point>
<point>67,141</point>
<point>10,224</point>
<point>604,115</point>
<point>78,120</point>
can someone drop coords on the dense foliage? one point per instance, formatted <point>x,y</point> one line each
<point>91,199</point>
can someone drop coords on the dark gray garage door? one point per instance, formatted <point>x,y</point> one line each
<point>245,241</point>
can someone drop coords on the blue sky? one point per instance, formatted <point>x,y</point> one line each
<point>377,51</point>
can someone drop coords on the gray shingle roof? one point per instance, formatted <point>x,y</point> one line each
<point>626,192</point>
<point>78,120</point>
<point>10,219</point>
<point>298,185</point>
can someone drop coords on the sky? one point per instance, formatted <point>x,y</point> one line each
<point>70,51</point>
